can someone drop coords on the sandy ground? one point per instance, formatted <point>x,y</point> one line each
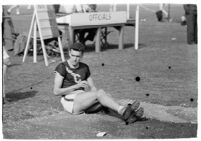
<point>167,68</point>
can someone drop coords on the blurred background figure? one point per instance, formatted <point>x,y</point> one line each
<point>92,8</point>
<point>6,63</point>
<point>67,9</point>
<point>183,20</point>
<point>14,6</point>
<point>56,8</point>
<point>7,26</point>
<point>191,22</point>
<point>78,8</point>
<point>113,8</point>
<point>162,14</point>
<point>86,34</point>
<point>81,35</point>
<point>162,8</point>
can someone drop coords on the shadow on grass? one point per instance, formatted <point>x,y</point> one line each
<point>115,114</point>
<point>110,112</point>
<point>91,47</point>
<point>15,96</point>
<point>141,45</point>
<point>13,65</point>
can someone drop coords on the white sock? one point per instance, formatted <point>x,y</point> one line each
<point>121,110</point>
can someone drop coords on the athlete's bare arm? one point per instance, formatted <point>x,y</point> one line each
<point>63,91</point>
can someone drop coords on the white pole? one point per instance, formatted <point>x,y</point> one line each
<point>35,43</point>
<point>137,27</point>
<point>29,36</point>
<point>128,11</point>
<point>41,37</point>
<point>61,50</point>
<point>98,32</point>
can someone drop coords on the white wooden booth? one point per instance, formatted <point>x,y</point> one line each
<point>100,20</point>
<point>95,20</point>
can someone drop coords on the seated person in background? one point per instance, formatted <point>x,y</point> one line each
<point>56,8</point>
<point>86,34</point>
<point>79,8</point>
<point>7,26</point>
<point>73,82</point>
<point>90,8</point>
<point>82,34</point>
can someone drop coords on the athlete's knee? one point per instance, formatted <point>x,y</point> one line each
<point>101,93</point>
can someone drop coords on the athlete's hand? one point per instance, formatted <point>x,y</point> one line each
<point>85,85</point>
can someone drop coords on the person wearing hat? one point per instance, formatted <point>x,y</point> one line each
<point>73,82</point>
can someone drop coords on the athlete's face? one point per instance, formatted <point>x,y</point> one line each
<point>75,57</point>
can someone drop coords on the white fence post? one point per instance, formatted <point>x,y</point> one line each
<point>137,27</point>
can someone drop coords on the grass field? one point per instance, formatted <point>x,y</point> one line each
<point>166,65</point>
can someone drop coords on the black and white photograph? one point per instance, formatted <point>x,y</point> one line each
<point>95,70</point>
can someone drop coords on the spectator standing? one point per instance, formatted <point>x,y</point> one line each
<point>6,63</point>
<point>7,27</point>
<point>191,21</point>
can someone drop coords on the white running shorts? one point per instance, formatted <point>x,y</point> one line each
<point>68,100</point>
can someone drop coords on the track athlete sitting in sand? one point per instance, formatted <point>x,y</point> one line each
<point>78,93</point>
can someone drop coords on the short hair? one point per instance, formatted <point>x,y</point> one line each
<point>77,47</point>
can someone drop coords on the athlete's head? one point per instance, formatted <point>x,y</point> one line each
<point>76,53</point>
